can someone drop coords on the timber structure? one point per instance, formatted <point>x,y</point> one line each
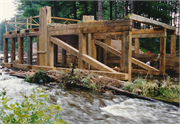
<point>90,42</point>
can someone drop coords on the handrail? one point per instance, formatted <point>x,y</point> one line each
<point>75,20</point>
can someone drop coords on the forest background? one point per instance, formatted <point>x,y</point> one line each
<point>163,11</point>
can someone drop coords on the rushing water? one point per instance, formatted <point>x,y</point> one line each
<point>84,107</point>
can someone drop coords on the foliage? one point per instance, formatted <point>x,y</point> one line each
<point>166,90</point>
<point>33,109</point>
<point>39,77</point>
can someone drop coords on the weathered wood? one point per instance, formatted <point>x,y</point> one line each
<point>141,71</point>
<point>147,31</point>
<point>22,66</point>
<point>5,45</point>
<point>162,63</point>
<point>129,34</point>
<point>51,54</point>
<point>82,50</point>
<point>148,35</point>
<point>118,53</point>
<point>37,50</point>
<point>137,45</point>
<point>173,46</point>
<point>64,59</point>
<point>12,50</point>
<point>20,50</point>
<point>89,47</point>
<point>7,65</point>
<point>45,68</point>
<point>85,57</point>
<point>29,50</point>
<point>41,52</point>
<point>55,54</point>
<point>100,54</point>
<point>75,20</point>
<point>144,20</point>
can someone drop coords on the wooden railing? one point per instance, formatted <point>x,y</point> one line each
<point>30,21</point>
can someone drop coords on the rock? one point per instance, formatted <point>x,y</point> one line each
<point>41,81</point>
<point>108,93</point>
<point>12,72</point>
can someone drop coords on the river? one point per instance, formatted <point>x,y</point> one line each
<point>85,107</point>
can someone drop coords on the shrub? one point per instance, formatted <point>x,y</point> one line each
<point>33,109</point>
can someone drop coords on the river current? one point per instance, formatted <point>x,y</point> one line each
<point>85,107</point>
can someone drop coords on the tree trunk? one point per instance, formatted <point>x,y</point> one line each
<point>110,10</point>
<point>100,10</point>
<point>74,9</point>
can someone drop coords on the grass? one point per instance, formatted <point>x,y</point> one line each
<point>163,91</point>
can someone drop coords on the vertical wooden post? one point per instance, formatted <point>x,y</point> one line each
<point>136,45</point>
<point>89,48</point>
<point>127,53</point>
<point>162,63</point>
<point>12,49</point>
<point>64,57</point>
<point>55,54</point>
<point>105,53</point>
<point>5,25</point>
<point>173,46</point>
<point>15,22</point>
<point>5,45</point>
<point>31,22</point>
<point>37,50</point>
<point>29,50</point>
<point>51,54</point>
<point>27,24</point>
<point>44,42</point>
<point>20,50</point>
<point>82,50</point>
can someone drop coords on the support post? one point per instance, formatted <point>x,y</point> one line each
<point>64,60</point>
<point>51,54</point>
<point>12,49</point>
<point>44,43</point>
<point>15,22</point>
<point>82,50</point>
<point>5,44</point>
<point>162,63</point>
<point>5,25</point>
<point>127,53</point>
<point>29,50</point>
<point>136,45</point>
<point>30,22</point>
<point>20,50</point>
<point>105,52</point>
<point>37,50</point>
<point>173,46</point>
<point>27,24</point>
<point>89,47</point>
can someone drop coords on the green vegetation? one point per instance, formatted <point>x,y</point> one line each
<point>33,110</point>
<point>163,91</point>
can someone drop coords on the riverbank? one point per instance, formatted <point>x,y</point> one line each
<point>165,90</point>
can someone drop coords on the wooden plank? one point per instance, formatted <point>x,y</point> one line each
<point>37,50</point>
<point>5,45</point>
<point>22,66</point>
<point>140,71</point>
<point>148,35</point>
<point>147,31</point>
<point>8,65</point>
<point>82,50</point>
<point>162,61</point>
<point>129,36</point>
<point>12,50</point>
<point>51,54</point>
<point>144,20</point>
<point>85,57</point>
<point>89,47</point>
<point>29,50</point>
<point>20,50</point>
<point>137,45</point>
<point>45,68</point>
<point>65,19</point>
<point>173,46</point>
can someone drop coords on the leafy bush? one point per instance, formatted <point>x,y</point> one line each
<point>33,110</point>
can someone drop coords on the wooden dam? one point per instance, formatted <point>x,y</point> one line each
<point>90,42</point>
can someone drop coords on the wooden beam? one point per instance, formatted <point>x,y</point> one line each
<point>5,45</point>
<point>29,50</point>
<point>37,50</point>
<point>20,50</point>
<point>8,65</point>
<point>22,66</point>
<point>129,33</point>
<point>118,53</point>
<point>82,50</point>
<point>148,21</point>
<point>148,35</point>
<point>147,31</point>
<point>85,57</point>
<point>89,47</point>
<point>137,45</point>
<point>13,54</point>
<point>173,46</point>
<point>162,63</point>
<point>51,54</point>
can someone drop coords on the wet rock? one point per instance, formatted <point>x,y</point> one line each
<point>12,72</point>
<point>40,81</point>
